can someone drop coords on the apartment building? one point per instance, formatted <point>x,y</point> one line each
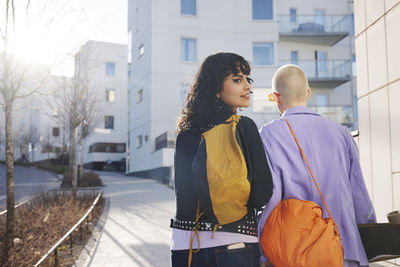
<point>103,66</point>
<point>169,39</point>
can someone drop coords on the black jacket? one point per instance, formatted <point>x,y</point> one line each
<point>259,176</point>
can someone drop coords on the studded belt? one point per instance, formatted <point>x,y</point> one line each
<point>247,225</point>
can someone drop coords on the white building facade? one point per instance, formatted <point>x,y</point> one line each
<point>378,74</point>
<point>106,65</point>
<point>168,40</point>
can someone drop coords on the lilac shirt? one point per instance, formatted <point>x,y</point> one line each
<point>333,158</point>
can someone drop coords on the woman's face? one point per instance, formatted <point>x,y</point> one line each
<point>236,91</point>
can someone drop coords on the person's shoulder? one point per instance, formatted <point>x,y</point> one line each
<point>335,125</point>
<point>186,135</point>
<point>246,121</point>
<point>273,125</point>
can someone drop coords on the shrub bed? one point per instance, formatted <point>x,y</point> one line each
<point>43,221</point>
<point>90,179</point>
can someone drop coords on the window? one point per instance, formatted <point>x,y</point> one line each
<point>188,49</point>
<point>110,68</point>
<point>352,24</point>
<point>353,65</point>
<point>56,131</point>
<point>260,100</point>
<point>322,100</point>
<point>109,122</point>
<point>321,69</point>
<point>183,92</point>
<point>294,57</point>
<point>110,95</point>
<point>188,7</point>
<point>293,15</point>
<point>141,50</point>
<point>263,53</point>
<point>107,147</point>
<point>139,141</point>
<point>319,17</point>
<point>139,96</point>
<point>262,9</point>
<point>120,148</point>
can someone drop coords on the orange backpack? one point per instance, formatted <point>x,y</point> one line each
<point>296,234</point>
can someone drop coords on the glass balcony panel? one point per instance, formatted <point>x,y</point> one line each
<point>323,68</point>
<point>314,24</point>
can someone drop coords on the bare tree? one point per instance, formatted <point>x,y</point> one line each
<point>14,77</point>
<point>78,104</point>
<point>91,119</point>
<point>68,101</point>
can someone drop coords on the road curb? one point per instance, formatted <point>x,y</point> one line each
<point>85,258</point>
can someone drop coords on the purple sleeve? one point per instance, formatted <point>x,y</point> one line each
<point>363,208</point>
<point>274,200</point>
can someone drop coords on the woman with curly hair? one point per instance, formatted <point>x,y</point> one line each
<point>221,87</point>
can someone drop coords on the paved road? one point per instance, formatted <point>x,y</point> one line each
<point>27,181</point>
<point>136,231</point>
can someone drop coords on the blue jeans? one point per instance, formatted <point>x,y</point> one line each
<point>219,257</point>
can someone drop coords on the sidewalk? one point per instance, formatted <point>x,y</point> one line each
<point>136,230</point>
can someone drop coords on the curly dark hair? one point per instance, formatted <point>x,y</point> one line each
<point>202,105</point>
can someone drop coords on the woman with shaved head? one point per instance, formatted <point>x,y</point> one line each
<point>332,156</point>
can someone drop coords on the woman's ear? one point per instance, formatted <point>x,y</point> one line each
<point>218,95</point>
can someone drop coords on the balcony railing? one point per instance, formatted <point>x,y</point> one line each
<point>340,114</point>
<point>329,28</point>
<point>165,140</point>
<point>324,73</point>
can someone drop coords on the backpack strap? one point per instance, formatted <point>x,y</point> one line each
<point>194,233</point>
<point>312,175</point>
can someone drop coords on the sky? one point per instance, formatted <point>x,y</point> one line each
<point>52,34</point>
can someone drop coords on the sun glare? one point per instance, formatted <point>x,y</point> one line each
<point>32,45</point>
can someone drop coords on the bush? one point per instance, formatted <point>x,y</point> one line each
<point>45,165</point>
<point>90,179</point>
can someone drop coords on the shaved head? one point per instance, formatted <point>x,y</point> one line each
<point>291,83</point>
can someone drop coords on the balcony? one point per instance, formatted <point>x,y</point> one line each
<point>165,140</point>
<point>324,73</point>
<point>325,30</point>
<point>340,114</point>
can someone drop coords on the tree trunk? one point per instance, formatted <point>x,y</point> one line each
<point>81,167</point>
<point>74,161</point>
<point>70,149</point>
<point>9,181</point>
<point>33,153</point>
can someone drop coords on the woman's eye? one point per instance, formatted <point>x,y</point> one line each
<point>249,80</point>
<point>236,80</point>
